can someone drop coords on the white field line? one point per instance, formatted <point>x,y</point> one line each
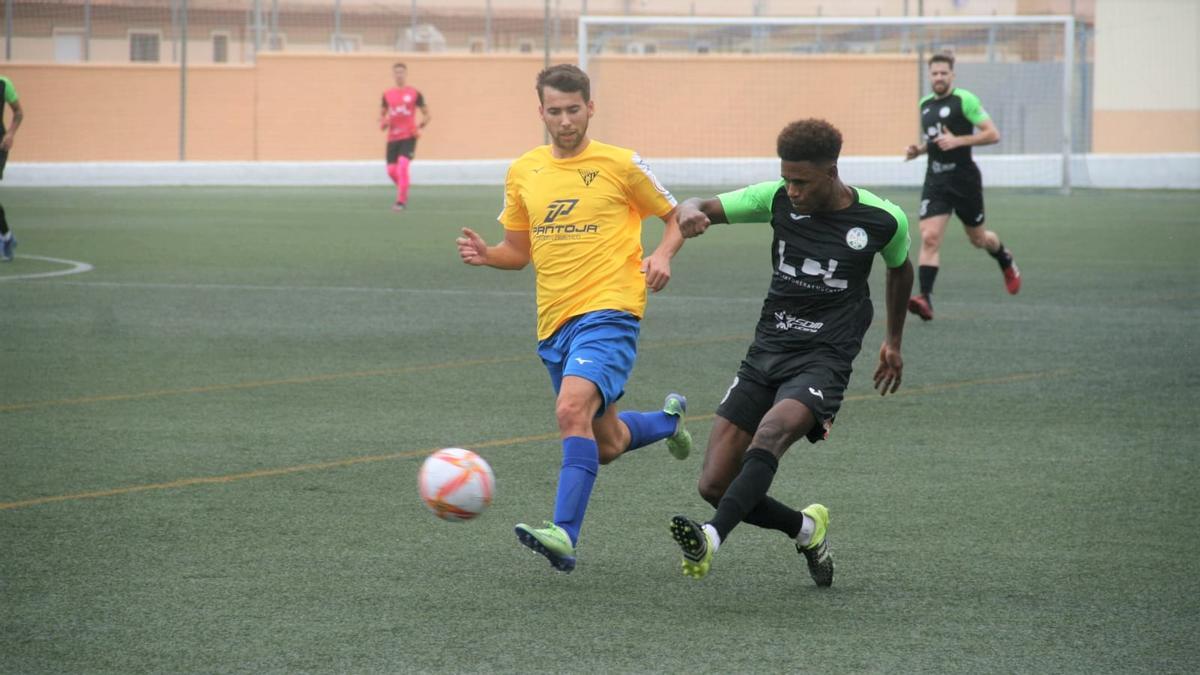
<point>76,268</point>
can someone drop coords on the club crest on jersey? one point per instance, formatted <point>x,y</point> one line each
<point>856,238</point>
<point>559,207</point>
<point>588,175</point>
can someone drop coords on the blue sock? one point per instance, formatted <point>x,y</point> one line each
<point>647,427</point>
<point>581,461</point>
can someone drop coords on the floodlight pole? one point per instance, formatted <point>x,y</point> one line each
<point>8,12</point>
<point>1068,87</point>
<point>183,39</point>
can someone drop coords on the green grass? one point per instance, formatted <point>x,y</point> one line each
<point>1028,503</point>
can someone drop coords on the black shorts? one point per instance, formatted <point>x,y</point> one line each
<point>817,378</point>
<point>406,147</point>
<point>960,191</point>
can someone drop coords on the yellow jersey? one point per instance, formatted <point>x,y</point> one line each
<point>584,217</point>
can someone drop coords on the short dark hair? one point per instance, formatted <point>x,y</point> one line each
<point>942,57</point>
<point>810,140</point>
<point>565,78</point>
<point>400,64</point>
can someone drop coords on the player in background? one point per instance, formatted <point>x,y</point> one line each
<point>398,117</point>
<point>949,117</point>
<point>575,208</point>
<point>790,385</point>
<point>8,94</point>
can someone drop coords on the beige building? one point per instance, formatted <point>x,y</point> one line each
<point>233,31</point>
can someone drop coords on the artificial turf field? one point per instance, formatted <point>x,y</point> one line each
<point>209,445</point>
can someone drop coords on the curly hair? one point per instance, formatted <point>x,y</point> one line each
<point>565,78</point>
<point>810,140</point>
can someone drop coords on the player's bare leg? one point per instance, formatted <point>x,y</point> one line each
<point>983,238</point>
<point>933,230</point>
<point>576,406</point>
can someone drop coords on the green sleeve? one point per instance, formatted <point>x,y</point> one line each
<point>972,108</point>
<point>896,251</point>
<point>10,92</point>
<point>751,204</point>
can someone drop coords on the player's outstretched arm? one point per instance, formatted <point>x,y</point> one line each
<point>695,215</point>
<point>510,254</point>
<point>914,151</point>
<point>891,365</point>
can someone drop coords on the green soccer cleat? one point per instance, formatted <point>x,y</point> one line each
<point>680,442</point>
<point>817,553</point>
<point>551,541</point>
<point>697,548</point>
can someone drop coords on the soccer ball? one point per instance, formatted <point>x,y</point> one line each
<point>456,484</point>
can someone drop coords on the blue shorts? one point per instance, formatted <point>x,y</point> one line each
<point>598,346</point>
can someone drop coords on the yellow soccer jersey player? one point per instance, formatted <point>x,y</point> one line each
<point>574,209</point>
<point>584,218</point>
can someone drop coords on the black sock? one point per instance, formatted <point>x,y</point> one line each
<point>3,222</point>
<point>927,274</point>
<point>746,490</point>
<point>774,515</point>
<point>1002,256</point>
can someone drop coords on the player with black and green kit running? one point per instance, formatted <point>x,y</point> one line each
<point>949,117</point>
<point>791,384</point>
<point>8,94</point>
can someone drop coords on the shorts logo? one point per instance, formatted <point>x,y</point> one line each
<point>559,207</point>
<point>785,321</point>
<point>856,238</point>
<point>979,218</point>
<point>588,176</point>
<point>924,207</point>
<point>582,361</point>
<point>817,392</point>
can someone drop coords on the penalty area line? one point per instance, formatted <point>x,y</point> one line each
<point>498,443</point>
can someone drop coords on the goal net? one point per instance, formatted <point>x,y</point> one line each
<point>704,98</point>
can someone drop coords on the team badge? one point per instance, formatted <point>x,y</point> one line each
<point>856,238</point>
<point>588,176</point>
<point>944,112</point>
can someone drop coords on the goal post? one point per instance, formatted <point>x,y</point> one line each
<point>691,92</point>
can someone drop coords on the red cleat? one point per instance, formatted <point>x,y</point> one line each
<point>1012,280</point>
<point>920,306</point>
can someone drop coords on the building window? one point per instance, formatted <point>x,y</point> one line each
<point>143,47</point>
<point>68,45</point>
<point>220,44</point>
<point>346,43</point>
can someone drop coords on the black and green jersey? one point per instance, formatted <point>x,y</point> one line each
<point>8,94</point>
<point>820,264</point>
<point>960,112</point>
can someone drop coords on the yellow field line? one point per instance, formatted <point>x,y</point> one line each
<point>330,377</point>
<point>407,454</point>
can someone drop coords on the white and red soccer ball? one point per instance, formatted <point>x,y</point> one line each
<point>456,484</point>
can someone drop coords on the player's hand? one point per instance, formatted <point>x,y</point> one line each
<point>692,222</point>
<point>912,152</point>
<point>947,140</point>
<point>657,269</point>
<point>6,144</point>
<point>472,248</point>
<point>887,375</point>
